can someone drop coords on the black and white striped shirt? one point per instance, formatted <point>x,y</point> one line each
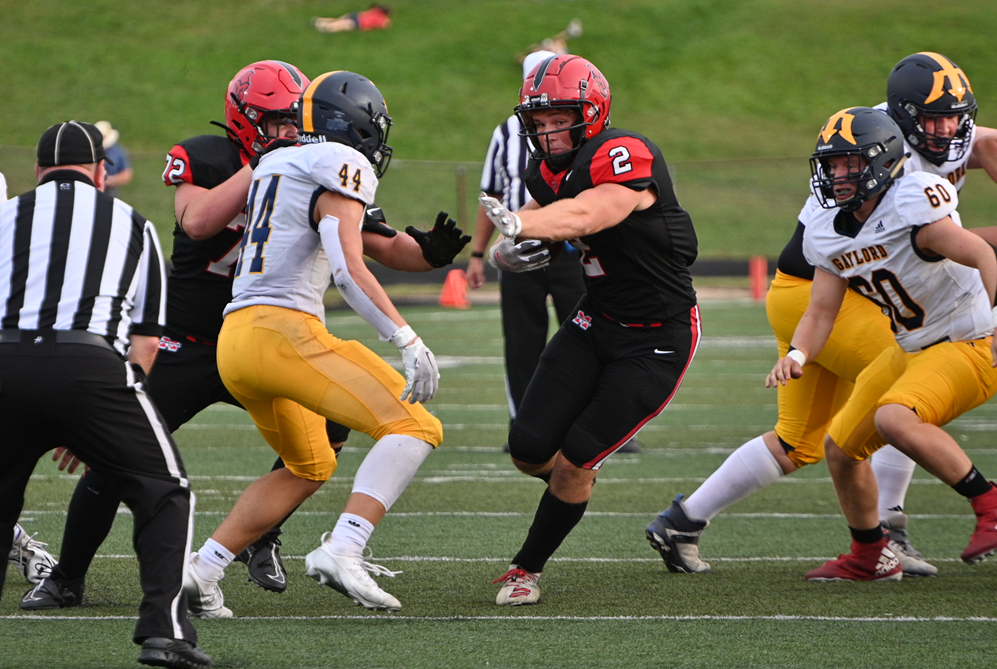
<point>74,258</point>
<point>505,163</point>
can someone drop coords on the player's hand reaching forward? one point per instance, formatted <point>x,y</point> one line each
<point>421,373</point>
<point>508,256</point>
<point>507,222</point>
<point>785,369</point>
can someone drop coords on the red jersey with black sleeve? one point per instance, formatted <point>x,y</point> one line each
<point>200,282</point>
<point>637,271</point>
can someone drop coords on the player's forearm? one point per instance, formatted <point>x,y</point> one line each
<point>400,252</point>
<point>205,213</point>
<point>592,210</point>
<point>984,154</point>
<point>812,333</point>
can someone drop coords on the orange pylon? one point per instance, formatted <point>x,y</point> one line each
<point>454,293</point>
<point>758,273</point>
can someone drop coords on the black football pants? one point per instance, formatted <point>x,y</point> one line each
<point>598,384</point>
<point>88,399</point>
<point>525,320</point>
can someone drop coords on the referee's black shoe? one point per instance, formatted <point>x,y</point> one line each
<point>53,593</point>
<point>266,569</point>
<point>173,653</point>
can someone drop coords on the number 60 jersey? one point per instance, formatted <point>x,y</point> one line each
<point>282,262</point>
<point>930,299</point>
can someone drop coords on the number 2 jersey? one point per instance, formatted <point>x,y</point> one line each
<point>637,271</point>
<point>200,282</point>
<point>930,299</point>
<point>282,262</point>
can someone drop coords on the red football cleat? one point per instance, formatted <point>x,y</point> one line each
<point>984,539</point>
<point>866,562</point>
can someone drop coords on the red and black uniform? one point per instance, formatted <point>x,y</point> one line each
<point>618,360</point>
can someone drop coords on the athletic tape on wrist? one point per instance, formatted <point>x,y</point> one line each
<point>797,355</point>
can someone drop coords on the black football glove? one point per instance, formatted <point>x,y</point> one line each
<point>278,143</point>
<point>441,244</point>
<point>373,221</point>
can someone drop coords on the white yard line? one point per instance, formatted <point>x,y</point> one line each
<point>513,618</point>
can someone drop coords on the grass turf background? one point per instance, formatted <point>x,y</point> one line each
<point>733,92</point>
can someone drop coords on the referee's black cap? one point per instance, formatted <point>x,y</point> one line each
<point>71,143</point>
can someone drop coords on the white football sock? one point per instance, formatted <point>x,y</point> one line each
<point>211,561</point>
<point>390,467</point>
<point>350,535</point>
<point>751,467</point>
<point>18,532</point>
<point>893,471</point>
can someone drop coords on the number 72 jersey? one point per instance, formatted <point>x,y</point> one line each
<point>930,299</point>
<point>282,262</point>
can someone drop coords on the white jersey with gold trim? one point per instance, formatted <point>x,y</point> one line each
<point>952,170</point>
<point>282,262</point>
<point>930,300</point>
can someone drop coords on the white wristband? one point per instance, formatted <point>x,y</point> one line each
<point>403,337</point>
<point>797,355</point>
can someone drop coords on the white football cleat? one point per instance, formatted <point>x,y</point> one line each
<point>204,598</point>
<point>27,554</point>
<point>519,587</point>
<point>349,575</point>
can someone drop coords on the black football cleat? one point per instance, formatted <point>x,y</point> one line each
<point>53,593</point>
<point>266,569</point>
<point>676,537</point>
<point>173,653</point>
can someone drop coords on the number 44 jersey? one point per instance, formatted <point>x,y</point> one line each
<point>930,299</point>
<point>282,262</point>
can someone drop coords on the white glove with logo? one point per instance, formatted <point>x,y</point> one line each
<point>421,374</point>
<point>508,256</point>
<point>503,219</point>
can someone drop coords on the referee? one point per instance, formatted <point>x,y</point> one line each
<point>82,304</point>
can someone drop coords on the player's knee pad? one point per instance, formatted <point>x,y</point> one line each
<point>526,445</point>
<point>390,467</point>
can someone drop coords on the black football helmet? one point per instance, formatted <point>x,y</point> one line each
<point>858,131</point>
<point>347,108</point>
<point>929,84</point>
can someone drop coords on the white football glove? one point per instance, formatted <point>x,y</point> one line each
<point>503,219</point>
<point>421,373</point>
<point>508,256</point>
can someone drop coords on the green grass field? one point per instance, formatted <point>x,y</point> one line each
<point>608,600</point>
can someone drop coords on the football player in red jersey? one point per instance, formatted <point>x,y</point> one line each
<point>619,361</point>
<point>212,175</point>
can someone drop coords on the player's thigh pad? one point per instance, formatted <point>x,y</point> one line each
<point>559,391</point>
<point>641,371</point>
<point>853,428</point>
<point>268,352</point>
<point>945,381</point>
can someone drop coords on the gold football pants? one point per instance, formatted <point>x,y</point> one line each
<point>939,384</point>
<point>291,374</point>
<point>807,404</point>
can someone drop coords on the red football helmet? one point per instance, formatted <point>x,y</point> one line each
<point>269,87</point>
<point>565,82</point>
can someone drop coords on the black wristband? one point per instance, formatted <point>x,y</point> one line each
<point>475,254</point>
